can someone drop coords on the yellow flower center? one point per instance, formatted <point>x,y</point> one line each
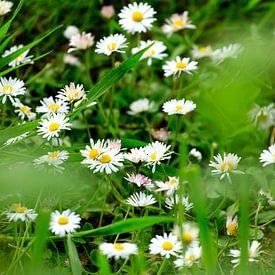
<point>167,245</point>
<point>21,209</point>
<point>153,156</point>
<point>112,46</point>
<point>151,52</point>
<point>172,181</point>
<point>179,108</point>
<point>54,126</point>
<point>273,155</point>
<point>232,229</point>
<point>72,95</point>
<point>187,237</point>
<point>53,155</point>
<point>63,220</point>
<point>226,166</point>
<point>203,50</point>
<point>137,16</point>
<point>119,246</point>
<point>93,153</point>
<point>178,24</point>
<point>105,158</point>
<point>181,65</point>
<point>7,89</point>
<point>25,109</point>
<point>54,107</point>
<point>262,117</point>
<point>189,258</point>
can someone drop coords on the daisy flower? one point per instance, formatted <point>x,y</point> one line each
<point>20,59</point>
<point>191,256</point>
<point>71,60</point>
<point>160,134</point>
<point>118,250</point>
<point>263,117</point>
<point>155,153</point>
<point>253,253</point>
<point>195,155</point>
<point>140,180</point>
<point>200,52</point>
<point>81,42</point>
<point>72,93</point>
<point>135,155</point>
<point>51,106</point>
<point>268,196</point>
<point>70,31</point>
<point>225,165</point>
<point>17,138</point>
<point>5,7</point>
<point>136,17</point>
<point>21,213</point>
<point>177,22</point>
<point>107,11</point>
<point>188,233</point>
<point>23,110</point>
<point>230,51</point>
<point>231,225</point>
<point>268,156</point>
<point>114,144</point>
<point>139,106</point>
<point>90,153</point>
<point>55,158</point>
<point>179,107</point>
<point>10,88</point>
<point>110,44</point>
<point>179,65</point>
<point>141,200</point>
<point>166,245</point>
<point>155,51</point>
<point>107,162</point>
<point>170,202</point>
<point>50,127</point>
<point>169,186</point>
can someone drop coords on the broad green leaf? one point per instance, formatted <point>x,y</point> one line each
<point>73,256</point>
<point>130,143</point>
<point>103,265</point>
<point>5,43</point>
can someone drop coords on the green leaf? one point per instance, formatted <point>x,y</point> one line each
<point>103,265</point>
<point>130,143</point>
<point>125,226</point>
<point>5,43</point>
<point>110,79</point>
<point>73,256</point>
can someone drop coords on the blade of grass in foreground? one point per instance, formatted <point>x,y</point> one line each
<point>74,259</point>
<point>209,253</point>
<point>103,265</point>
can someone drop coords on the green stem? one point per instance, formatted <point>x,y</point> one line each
<point>162,267</point>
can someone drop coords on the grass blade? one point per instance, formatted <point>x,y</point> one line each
<point>74,259</point>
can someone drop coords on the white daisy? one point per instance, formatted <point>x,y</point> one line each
<point>81,41</point>
<point>55,158</point>
<point>72,93</point>
<point>64,223</point>
<point>93,151</point>
<point>71,60</point>
<point>21,213</point>
<point>155,51</point>
<point>170,202</point>
<point>195,155</point>
<point>140,105</point>
<point>23,110</point>
<point>136,17</point>
<point>189,232</point>
<point>230,51</point>
<point>200,52</point>
<point>166,245</point>
<point>5,7</point>
<point>180,107</point>
<point>51,106</point>
<point>141,200</point>
<point>263,117</point>
<point>17,138</point>
<point>253,253</point>
<point>170,186</point>
<point>179,65</point>
<point>50,127</point>
<point>21,59</point>
<point>155,153</point>
<point>114,144</point>
<point>107,162</point>
<point>160,134</point>
<point>231,225</point>
<point>118,250</point>
<point>268,156</point>
<point>135,155</point>
<point>110,44</point>
<point>191,256</point>
<point>268,196</point>
<point>140,180</point>
<point>70,31</point>
<point>177,22</point>
<point>107,11</point>
<point>10,88</point>
<point>226,165</point>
